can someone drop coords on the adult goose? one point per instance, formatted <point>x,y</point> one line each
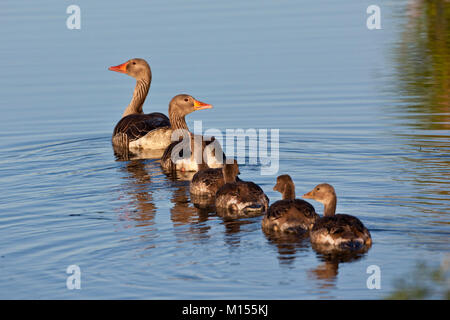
<point>191,153</point>
<point>181,154</point>
<point>340,231</point>
<point>137,130</point>
<point>289,215</point>
<point>237,198</point>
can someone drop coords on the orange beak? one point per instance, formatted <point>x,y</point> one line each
<point>198,105</point>
<point>308,195</point>
<point>122,68</point>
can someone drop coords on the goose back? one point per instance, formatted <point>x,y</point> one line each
<point>290,215</point>
<point>341,230</point>
<point>135,126</point>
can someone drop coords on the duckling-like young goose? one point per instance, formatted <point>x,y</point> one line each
<point>137,130</point>
<point>289,214</point>
<point>341,231</point>
<point>240,198</point>
<point>207,181</point>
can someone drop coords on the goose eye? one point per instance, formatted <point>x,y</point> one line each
<point>318,189</point>
<point>134,62</point>
<point>186,99</point>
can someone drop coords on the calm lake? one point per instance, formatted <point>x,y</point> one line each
<point>367,111</point>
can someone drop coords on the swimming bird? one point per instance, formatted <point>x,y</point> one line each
<point>237,198</point>
<point>188,151</point>
<point>341,231</point>
<point>137,130</point>
<point>207,181</point>
<point>204,185</point>
<point>289,215</point>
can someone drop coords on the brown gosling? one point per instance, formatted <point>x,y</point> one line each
<point>341,231</point>
<point>289,215</point>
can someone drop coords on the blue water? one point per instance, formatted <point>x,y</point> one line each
<point>312,69</point>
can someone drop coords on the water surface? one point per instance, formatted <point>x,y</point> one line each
<point>367,111</point>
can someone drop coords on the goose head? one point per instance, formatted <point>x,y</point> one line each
<point>230,172</point>
<point>285,186</point>
<point>136,68</point>
<point>323,193</point>
<point>184,104</point>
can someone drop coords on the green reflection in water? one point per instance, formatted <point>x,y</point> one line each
<point>423,63</point>
<point>424,282</point>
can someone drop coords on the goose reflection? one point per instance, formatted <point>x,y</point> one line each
<point>287,245</point>
<point>183,213</point>
<point>204,203</point>
<point>234,229</point>
<point>325,274</point>
<point>137,186</point>
<point>123,154</point>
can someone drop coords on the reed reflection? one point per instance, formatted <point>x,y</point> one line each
<point>423,64</point>
<point>422,59</point>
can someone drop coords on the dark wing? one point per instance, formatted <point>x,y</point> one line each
<point>305,207</point>
<point>256,191</point>
<point>252,187</point>
<point>135,126</point>
<point>250,191</point>
<point>228,189</point>
<point>208,176</point>
<point>280,207</point>
<point>166,160</point>
<point>340,223</point>
<point>347,231</point>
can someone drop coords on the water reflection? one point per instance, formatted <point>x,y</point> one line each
<point>204,202</point>
<point>422,58</point>
<point>123,154</point>
<point>325,274</point>
<point>183,213</point>
<point>423,63</point>
<point>287,245</point>
<point>194,211</point>
<point>138,188</point>
<point>235,230</point>
<point>175,176</point>
<point>142,209</point>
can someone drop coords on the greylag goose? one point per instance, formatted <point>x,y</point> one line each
<point>207,181</point>
<point>237,198</point>
<point>180,106</point>
<point>289,215</point>
<point>341,231</point>
<point>137,130</point>
<point>191,152</point>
